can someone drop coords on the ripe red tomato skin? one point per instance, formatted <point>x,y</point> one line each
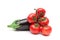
<point>34,30</point>
<point>45,22</point>
<point>46,30</point>
<point>41,29</point>
<point>39,10</point>
<point>30,18</point>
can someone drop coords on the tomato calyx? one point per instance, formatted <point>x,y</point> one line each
<point>42,19</point>
<point>41,14</point>
<point>34,18</point>
<point>36,25</point>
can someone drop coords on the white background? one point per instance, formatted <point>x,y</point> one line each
<point>11,10</point>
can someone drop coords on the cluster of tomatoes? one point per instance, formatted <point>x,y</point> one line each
<point>39,23</point>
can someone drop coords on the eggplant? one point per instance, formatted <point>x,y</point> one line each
<point>20,25</point>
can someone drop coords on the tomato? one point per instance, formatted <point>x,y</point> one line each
<point>41,29</point>
<point>41,12</point>
<point>43,21</point>
<point>46,30</point>
<point>32,18</point>
<point>35,28</point>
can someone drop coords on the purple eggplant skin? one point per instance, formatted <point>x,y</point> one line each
<point>23,21</point>
<point>23,25</point>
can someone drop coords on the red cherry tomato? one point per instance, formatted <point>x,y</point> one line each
<point>43,21</point>
<point>32,18</point>
<point>46,30</point>
<point>41,12</point>
<point>35,28</point>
